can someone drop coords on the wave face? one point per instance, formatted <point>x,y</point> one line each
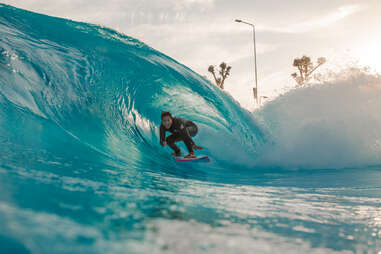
<point>82,171</point>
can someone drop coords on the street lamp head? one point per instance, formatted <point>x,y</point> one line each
<point>238,20</point>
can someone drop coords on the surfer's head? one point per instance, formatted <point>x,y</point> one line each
<point>166,119</point>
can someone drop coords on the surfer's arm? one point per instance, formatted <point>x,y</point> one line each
<point>162,134</point>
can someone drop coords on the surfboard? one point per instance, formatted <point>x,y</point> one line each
<point>200,158</point>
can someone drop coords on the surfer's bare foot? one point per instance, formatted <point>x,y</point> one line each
<point>178,154</point>
<point>196,147</point>
<point>190,155</point>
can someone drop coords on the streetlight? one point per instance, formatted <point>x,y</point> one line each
<point>255,90</point>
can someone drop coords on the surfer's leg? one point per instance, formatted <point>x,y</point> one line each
<point>189,131</point>
<point>171,139</point>
<point>192,131</point>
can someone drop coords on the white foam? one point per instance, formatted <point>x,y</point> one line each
<point>333,124</point>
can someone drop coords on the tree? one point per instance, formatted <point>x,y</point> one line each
<point>306,68</point>
<point>224,72</point>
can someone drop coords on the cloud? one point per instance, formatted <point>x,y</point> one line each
<point>323,21</point>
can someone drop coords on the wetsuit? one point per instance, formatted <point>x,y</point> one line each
<point>182,130</point>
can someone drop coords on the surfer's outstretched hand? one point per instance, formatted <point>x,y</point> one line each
<point>196,147</point>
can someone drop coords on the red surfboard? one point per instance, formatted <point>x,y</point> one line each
<point>201,158</point>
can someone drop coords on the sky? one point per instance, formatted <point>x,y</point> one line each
<point>199,33</point>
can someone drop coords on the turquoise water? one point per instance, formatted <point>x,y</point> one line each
<point>82,171</point>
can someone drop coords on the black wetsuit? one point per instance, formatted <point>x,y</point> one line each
<point>182,130</point>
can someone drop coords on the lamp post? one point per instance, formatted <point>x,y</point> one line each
<point>255,90</point>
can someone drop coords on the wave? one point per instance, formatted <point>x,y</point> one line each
<point>101,90</point>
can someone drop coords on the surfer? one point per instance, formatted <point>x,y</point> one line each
<point>182,130</point>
